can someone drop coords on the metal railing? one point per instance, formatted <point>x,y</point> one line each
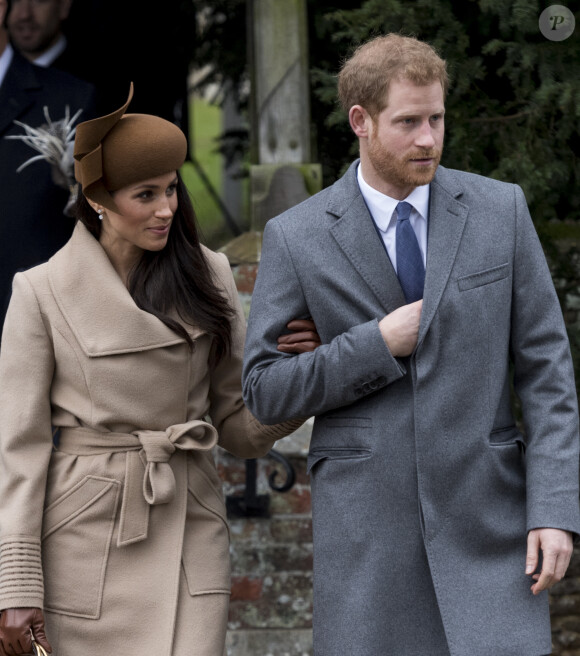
<point>252,504</point>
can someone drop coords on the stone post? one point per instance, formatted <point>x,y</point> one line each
<point>280,106</point>
<point>281,175</point>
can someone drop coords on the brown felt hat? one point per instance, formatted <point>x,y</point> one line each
<point>117,150</point>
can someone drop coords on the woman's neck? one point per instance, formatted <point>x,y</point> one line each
<point>122,255</point>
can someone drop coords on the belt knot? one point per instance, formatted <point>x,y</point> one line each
<point>159,446</point>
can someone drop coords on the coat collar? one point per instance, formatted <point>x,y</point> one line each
<point>447,217</point>
<point>96,304</point>
<point>356,235</point>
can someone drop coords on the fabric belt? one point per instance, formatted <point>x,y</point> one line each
<point>149,479</point>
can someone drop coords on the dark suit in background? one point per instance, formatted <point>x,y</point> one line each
<point>32,221</point>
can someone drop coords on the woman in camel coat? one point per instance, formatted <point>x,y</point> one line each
<point>117,538</point>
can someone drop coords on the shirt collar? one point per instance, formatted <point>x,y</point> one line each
<point>48,57</point>
<point>5,61</point>
<point>382,206</point>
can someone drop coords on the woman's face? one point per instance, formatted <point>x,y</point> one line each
<point>144,218</point>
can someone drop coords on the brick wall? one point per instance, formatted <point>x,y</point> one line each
<point>565,611</point>
<point>271,602</point>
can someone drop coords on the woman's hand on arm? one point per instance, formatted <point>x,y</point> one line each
<point>17,628</point>
<point>302,339</point>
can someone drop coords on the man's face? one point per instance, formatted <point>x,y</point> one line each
<point>34,25</point>
<point>405,139</point>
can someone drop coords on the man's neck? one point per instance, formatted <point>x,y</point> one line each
<point>48,56</point>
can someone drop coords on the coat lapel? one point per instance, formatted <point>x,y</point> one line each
<point>14,93</point>
<point>447,216</point>
<point>355,233</point>
<point>97,306</point>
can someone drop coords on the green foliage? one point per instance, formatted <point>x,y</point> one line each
<point>221,53</point>
<point>513,110</point>
<point>205,125</point>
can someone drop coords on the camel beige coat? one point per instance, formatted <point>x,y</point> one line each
<point>120,534</point>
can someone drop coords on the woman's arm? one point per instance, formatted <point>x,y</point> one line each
<point>26,371</point>
<point>240,432</point>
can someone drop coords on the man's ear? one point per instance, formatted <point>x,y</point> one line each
<point>359,120</point>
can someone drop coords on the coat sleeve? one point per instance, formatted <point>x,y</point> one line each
<point>278,386</point>
<point>26,370</point>
<point>239,431</point>
<point>544,383</point>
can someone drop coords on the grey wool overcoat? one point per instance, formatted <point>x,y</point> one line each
<point>120,533</point>
<point>423,488</point>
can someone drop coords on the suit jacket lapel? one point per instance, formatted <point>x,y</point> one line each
<point>14,92</point>
<point>447,216</point>
<point>355,233</point>
<point>96,304</point>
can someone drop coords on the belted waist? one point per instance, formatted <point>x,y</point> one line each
<point>149,479</point>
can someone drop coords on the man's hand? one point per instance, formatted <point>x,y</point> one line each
<point>556,546</point>
<point>304,337</point>
<point>400,329</point>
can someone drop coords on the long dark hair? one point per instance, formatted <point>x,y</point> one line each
<point>177,278</point>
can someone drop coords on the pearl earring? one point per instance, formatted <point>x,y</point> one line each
<point>100,213</point>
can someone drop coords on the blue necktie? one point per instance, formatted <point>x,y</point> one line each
<point>410,268</point>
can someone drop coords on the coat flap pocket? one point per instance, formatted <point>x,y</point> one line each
<point>205,552</point>
<point>83,495</point>
<point>75,548</point>
<point>334,453</point>
<point>484,277</point>
<point>506,436</point>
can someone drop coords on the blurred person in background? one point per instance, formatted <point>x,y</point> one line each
<point>33,196</point>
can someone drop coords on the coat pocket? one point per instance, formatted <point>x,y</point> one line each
<point>77,532</point>
<point>316,456</point>
<point>483,277</point>
<point>508,436</point>
<point>206,557</point>
<point>507,464</point>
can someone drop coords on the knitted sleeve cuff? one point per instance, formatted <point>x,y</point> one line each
<point>263,436</point>
<point>21,579</point>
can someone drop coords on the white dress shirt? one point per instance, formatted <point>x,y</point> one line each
<point>5,61</point>
<point>382,209</point>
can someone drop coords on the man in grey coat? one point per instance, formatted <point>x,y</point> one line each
<point>438,525</point>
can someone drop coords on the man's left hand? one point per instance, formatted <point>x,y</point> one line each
<point>303,339</point>
<point>556,546</point>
